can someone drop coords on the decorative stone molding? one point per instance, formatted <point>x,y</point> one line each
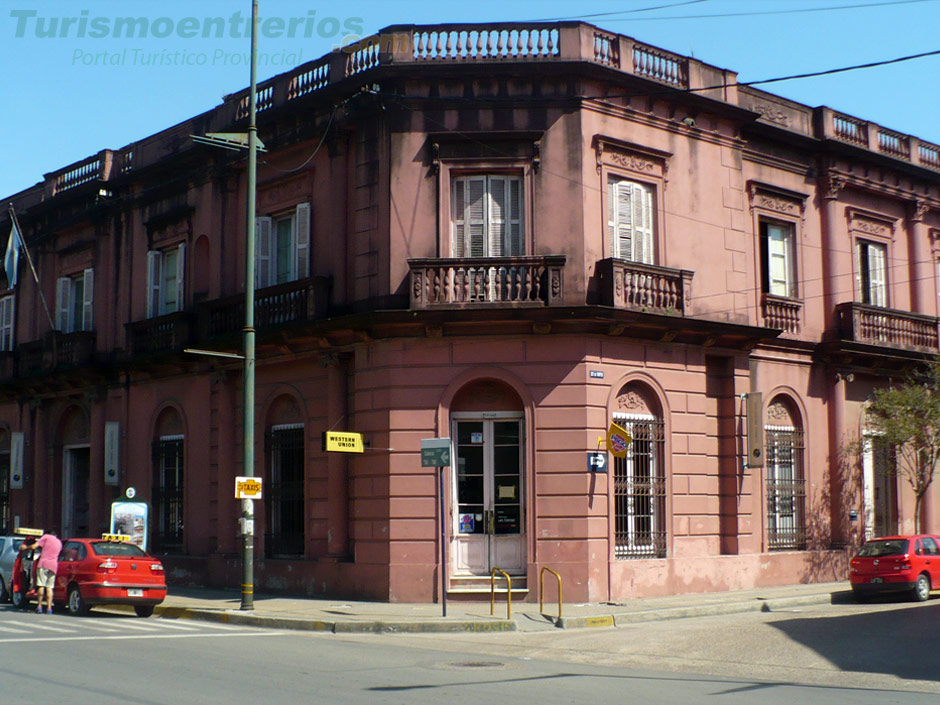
<point>919,210</point>
<point>632,401</point>
<point>871,223</point>
<point>630,157</point>
<point>778,414</point>
<point>771,113</point>
<point>833,184</point>
<point>777,200</point>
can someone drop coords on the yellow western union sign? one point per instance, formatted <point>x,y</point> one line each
<point>342,442</point>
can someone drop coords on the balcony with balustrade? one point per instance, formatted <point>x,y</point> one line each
<point>644,287</point>
<point>480,282</point>
<point>888,328</point>
<point>55,351</point>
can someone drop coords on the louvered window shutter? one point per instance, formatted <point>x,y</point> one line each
<point>262,252</point>
<point>88,298</point>
<point>621,219</point>
<point>643,224</point>
<point>154,265</point>
<point>476,217</point>
<point>63,295</point>
<point>302,228</point>
<point>497,201</point>
<point>459,219</point>
<point>6,323</point>
<point>877,274</point>
<point>515,224</point>
<point>180,276</point>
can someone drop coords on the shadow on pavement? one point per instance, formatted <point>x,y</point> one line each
<point>899,641</point>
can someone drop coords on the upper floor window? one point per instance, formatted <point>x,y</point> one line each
<point>165,269</point>
<point>6,323</point>
<point>871,273</point>
<point>778,261</point>
<point>282,247</point>
<point>74,297</point>
<point>630,220</point>
<point>486,216</point>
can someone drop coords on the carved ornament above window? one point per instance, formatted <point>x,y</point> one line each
<point>630,157</point>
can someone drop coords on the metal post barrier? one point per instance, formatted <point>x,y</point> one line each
<point>508,592</point>
<point>542,590</point>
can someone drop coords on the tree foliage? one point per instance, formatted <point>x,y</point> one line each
<point>907,417</point>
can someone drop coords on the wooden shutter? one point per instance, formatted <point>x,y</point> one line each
<point>459,218</point>
<point>621,219</point>
<point>515,225</point>
<point>302,248</point>
<point>262,252</point>
<point>642,224</point>
<point>476,216</point>
<point>88,297</point>
<point>180,275</point>
<point>154,265</point>
<point>498,216</point>
<point>6,323</point>
<point>877,274</point>
<point>63,295</point>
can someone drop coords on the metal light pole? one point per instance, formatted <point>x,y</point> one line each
<point>248,420</point>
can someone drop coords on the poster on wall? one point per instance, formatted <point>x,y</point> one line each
<point>131,519</point>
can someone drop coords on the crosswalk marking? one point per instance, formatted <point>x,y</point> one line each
<point>47,627</point>
<point>13,630</point>
<point>107,637</point>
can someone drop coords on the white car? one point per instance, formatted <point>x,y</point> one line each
<point>9,546</point>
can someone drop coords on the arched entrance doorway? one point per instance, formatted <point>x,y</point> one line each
<point>488,482</point>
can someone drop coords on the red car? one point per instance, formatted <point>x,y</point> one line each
<point>896,564</point>
<point>98,572</point>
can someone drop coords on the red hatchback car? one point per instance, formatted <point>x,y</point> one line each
<point>896,564</point>
<point>97,572</point>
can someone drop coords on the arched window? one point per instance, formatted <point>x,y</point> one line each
<point>786,482</point>
<point>168,483</point>
<point>640,478</point>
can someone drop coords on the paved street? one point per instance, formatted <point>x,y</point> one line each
<point>816,654</point>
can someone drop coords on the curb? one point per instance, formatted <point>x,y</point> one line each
<point>492,626</point>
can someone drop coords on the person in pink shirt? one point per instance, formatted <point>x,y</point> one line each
<point>46,567</point>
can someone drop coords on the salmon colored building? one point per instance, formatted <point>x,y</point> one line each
<point>511,236</point>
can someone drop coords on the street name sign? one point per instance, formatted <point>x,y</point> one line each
<point>435,452</point>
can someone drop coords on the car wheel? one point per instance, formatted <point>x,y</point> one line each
<point>143,610</point>
<point>922,588</point>
<point>19,600</point>
<point>76,602</point>
<point>4,594</point>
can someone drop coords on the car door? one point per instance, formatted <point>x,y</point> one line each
<point>932,560</point>
<point>70,555</point>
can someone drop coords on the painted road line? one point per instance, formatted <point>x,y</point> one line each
<point>41,627</point>
<point>127,637</point>
<point>13,630</point>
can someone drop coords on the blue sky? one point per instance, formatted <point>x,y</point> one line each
<point>70,95</point>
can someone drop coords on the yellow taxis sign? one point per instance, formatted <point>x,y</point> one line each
<point>342,442</point>
<point>28,532</point>
<point>247,488</point>
<point>115,537</point>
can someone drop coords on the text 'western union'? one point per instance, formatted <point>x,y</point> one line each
<point>342,442</point>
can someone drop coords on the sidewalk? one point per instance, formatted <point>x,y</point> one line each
<point>339,616</point>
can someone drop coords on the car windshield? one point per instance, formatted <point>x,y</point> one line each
<point>889,547</point>
<point>110,548</point>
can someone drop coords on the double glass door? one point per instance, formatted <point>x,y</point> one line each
<point>488,529</point>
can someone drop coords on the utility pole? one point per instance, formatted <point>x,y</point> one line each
<point>248,420</point>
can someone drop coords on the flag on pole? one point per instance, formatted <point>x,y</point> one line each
<point>12,259</point>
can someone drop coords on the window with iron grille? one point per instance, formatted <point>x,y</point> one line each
<point>168,493</point>
<point>640,490</point>
<point>786,488</point>
<point>284,491</point>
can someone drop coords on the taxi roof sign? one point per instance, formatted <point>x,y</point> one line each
<point>28,532</point>
<point>115,537</point>
<point>342,442</point>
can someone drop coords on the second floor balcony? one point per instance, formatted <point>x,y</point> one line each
<point>885,327</point>
<point>476,282</point>
<point>645,287</point>
<point>55,351</point>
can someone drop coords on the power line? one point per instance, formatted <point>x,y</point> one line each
<point>834,8</point>
<point>621,12</point>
